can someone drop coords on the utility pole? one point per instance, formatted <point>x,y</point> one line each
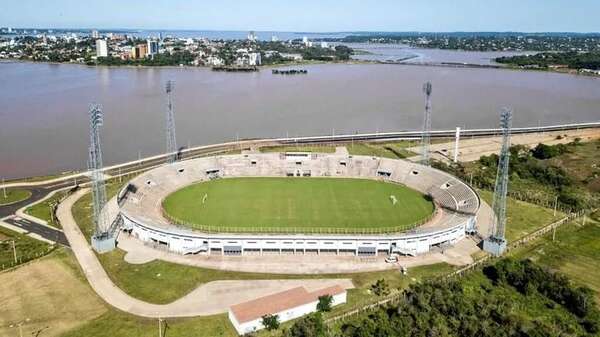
<point>14,251</point>
<point>555,204</point>
<point>3,188</point>
<point>159,327</point>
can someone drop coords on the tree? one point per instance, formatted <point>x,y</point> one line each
<point>325,302</point>
<point>308,326</point>
<point>271,322</point>
<point>380,288</point>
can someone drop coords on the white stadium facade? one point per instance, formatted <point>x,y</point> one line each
<point>140,205</point>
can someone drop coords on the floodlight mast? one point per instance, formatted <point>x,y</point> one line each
<point>426,135</point>
<point>101,225</point>
<point>170,125</point>
<point>501,185</point>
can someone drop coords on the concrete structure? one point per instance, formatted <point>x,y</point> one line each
<point>140,51</point>
<point>101,48</point>
<point>457,206</point>
<point>152,47</point>
<point>95,34</point>
<point>254,59</point>
<point>287,305</point>
<point>456,144</point>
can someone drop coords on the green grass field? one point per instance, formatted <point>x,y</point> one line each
<point>575,252</point>
<point>13,195</point>
<point>43,210</point>
<point>311,204</point>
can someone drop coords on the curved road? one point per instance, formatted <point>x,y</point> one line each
<point>208,299</point>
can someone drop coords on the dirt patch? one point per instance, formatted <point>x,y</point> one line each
<point>48,297</point>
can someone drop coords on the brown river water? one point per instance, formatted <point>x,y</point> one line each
<point>44,125</point>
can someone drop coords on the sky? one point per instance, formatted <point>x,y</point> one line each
<point>308,15</point>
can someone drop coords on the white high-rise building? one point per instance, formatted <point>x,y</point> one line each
<point>274,38</point>
<point>254,59</point>
<point>95,34</point>
<point>9,30</point>
<point>152,47</point>
<point>324,44</point>
<point>305,40</point>
<point>101,48</point>
<point>252,36</point>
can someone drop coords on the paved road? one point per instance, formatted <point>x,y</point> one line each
<point>208,299</point>
<point>41,230</point>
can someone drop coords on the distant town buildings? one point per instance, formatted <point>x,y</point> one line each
<point>91,47</point>
<point>101,48</point>
<point>152,47</point>
<point>140,51</point>
<point>324,44</point>
<point>254,59</point>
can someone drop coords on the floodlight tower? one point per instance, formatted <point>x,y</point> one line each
<point>496,243</point>
<point>102,239</point>
<point>170,127</point>
<point>426,135</point>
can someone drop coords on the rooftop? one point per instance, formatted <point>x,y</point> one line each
<point>271,304</point>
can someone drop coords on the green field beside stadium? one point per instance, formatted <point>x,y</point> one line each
<point>297,204</point>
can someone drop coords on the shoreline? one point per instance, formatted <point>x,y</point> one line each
<point>573,72</point>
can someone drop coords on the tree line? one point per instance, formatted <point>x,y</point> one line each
<point>510,298</point>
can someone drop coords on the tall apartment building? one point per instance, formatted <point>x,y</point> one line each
<point>139,52</point>
<point>101,48</point>
<point>152,47</point>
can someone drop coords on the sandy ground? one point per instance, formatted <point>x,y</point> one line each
<point>47,296</point>
<point>471,149</point>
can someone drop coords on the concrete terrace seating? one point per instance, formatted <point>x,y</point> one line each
<point>153,186</point>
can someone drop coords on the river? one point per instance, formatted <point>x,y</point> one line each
<point>44,125</point>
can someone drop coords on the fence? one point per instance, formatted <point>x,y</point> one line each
<point>396,297</point>
<point>293,230</point>
<point>23,259</point>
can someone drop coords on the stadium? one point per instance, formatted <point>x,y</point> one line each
<point>297,203</point>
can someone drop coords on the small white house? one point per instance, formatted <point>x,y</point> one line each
<point>287,305</point>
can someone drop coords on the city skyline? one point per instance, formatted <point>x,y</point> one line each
<point>309,16</point>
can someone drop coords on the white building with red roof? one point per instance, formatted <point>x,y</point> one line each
<point>287,305</point>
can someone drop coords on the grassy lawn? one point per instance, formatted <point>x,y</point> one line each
<point>574,252</point>
<point>49,295</point>
<point>392,150</point>
<point>26,247</point>
<point>522,217</point>
<point>13,195</point>
<point>299,148</point>
<point>174,280</point>
<point>44,209</point>
<point>304,203</point>
<point>119,324</point>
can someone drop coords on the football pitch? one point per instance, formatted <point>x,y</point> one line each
<point>297,204</point>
